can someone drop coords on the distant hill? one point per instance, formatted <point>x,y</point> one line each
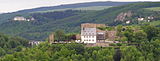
<point>154,8</point>
<point>89,5</point>
<point>70,20</point>
<point>91,8</point>
<point>78,5</point>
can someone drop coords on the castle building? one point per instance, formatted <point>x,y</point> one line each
<point>90,33</point>
<point>101,35</point>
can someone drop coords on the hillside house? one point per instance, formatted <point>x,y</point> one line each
<point>128,22</point>
<point>21,18</point>
<point>140,19</point>
<point>32,43</point>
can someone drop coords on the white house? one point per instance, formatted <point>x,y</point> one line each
<point>19,18</point>
<point>140,19</point>
<point>127,22</point>
<point>89,32</point>
<point>88,35</point>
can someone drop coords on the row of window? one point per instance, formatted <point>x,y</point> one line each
<point>89,40</point>
<point>89,33</point>
<point>88,36</point>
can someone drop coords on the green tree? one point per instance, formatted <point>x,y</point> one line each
<point>140,36</point>
<point>131,54</point>
<point>59,35</point>
<point>2,52</point>
<point>152,32</point>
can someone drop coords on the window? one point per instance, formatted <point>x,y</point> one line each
<point>83,28</point>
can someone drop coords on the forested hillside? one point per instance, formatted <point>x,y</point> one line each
<point>143,45</point>
<point>138,40</point>
<point>7,16</point>
<point>9,45</point>
<point>70,20</point>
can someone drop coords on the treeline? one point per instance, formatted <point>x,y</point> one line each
<point>60,35</point>
<point>138,34</point>
<point>9,45</point>
<point>145,38</point>
<point>62,52</point>
<point>143,42</point>
<point>54,15</point>
<point>143,45</point>
<point>76,52</point>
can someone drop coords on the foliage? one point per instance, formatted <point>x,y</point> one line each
<point>59,35</point>
<point>152,32</point>
<point>131,54</point>
<point>62,52</point>
<point>144,46</point>
<point>106,28</point>
<point>138,34</point>
<point>146,38</point>
<point>9,45</point>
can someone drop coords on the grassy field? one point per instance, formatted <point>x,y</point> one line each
<point>82,8</point>
<point>93,8</point>
<point>154,8</point>
<point>154,23</point>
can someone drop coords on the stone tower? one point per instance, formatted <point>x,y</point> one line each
<point>51,38</point>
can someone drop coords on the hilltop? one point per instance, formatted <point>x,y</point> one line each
<point>78,5</point>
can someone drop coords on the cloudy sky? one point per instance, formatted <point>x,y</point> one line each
<point>14,5</point>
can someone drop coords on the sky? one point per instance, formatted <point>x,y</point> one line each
<point>15,5</point>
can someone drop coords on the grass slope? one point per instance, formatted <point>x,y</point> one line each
<point>154,8</point>
<point>81,8</point>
